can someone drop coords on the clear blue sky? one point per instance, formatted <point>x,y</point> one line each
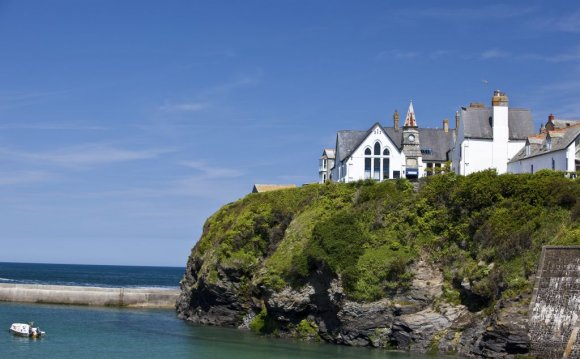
<point>125,124</point>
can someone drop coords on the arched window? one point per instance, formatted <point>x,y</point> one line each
<point>386,164</point>
<point>367,163</point>
<point>377,162</point>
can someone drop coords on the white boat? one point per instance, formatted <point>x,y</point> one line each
<point>26,330</point>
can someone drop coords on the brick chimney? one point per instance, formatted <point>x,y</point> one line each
<point>396,120</point>
<point>446,125</point>
<point>457,117</point>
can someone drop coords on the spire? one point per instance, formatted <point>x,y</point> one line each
<point>410,120</point>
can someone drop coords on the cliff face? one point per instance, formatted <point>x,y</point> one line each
<point>446,269</point>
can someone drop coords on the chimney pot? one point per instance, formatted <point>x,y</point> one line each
<point>446,125</point>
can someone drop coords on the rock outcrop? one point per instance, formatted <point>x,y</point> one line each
<point>416,319</point>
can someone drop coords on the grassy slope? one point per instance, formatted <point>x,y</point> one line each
<point>483,229</point>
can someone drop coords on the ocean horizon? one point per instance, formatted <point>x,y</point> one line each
<point>91,275</point>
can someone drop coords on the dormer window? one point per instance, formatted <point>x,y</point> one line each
<point>548,143</point>
<point>528,149</point>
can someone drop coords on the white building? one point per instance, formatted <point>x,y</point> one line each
<point>556,148</point>
<point>325,165</point>
<point>489,137</point>
<point>391,152</point>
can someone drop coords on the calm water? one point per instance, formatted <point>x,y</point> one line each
<point>92,332</point>
<point>83,332</point>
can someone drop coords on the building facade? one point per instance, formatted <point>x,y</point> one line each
<point>556,147</point>
<point>483,138</point>
<point>325,165</point>
<point>489,137</point>
<point>382,152</point>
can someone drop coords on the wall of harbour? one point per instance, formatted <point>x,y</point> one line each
<point>94,296</point>
<point>555,308</point>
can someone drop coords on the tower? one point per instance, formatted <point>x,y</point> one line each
<point>411,145</point>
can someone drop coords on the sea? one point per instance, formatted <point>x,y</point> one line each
<point>105,332</point>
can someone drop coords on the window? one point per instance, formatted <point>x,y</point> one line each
<point>396,174</point>
<point>528,150</point>
<point>426,151</point>
<point>367,163</point>
<point>377,169</point>
<point>377,149</point>
<point>429,169</point>
<point>549,143</point>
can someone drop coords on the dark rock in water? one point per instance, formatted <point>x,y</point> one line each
<point>411,320</point>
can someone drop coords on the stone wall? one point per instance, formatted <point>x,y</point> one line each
<point>97,296</point>
<point>555,307</point>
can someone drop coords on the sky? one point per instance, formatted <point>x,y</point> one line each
<point>125,124</point>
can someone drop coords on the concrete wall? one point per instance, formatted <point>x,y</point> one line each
<point>555,307</point>
<point>59,294</point>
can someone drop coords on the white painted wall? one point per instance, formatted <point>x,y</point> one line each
<point>476,156</point>
<point>571,157</point>
<point>356,162</point>
<point>514,147</point>
<point>541,162</point>
<point>499,152</point>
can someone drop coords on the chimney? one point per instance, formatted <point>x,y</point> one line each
<point>457,120</point>
<point>551,118</point>
<point>499,99</point>
<point>446,125</point>
<point>396,120</point>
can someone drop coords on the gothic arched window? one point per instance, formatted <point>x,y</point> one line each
<point>386,164</point>
<point>377,162</point>
<point>367,163</point>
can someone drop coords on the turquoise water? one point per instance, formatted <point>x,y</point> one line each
<point>88,332</point>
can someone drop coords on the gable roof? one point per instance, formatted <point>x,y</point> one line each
<point>477,123</point>
<point>348,141</point>
<point>560,139</point>
<point>329,153</point>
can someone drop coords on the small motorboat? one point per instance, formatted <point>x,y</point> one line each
<point>26,330</point>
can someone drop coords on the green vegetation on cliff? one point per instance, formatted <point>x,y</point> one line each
<point>484,232</point>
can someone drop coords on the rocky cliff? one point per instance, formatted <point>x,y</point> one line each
<point>446,269</point>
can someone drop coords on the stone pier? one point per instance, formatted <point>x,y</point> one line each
<point>95,296</point>
<point>555,307</point>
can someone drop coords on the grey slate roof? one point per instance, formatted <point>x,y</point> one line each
<point>329,152</point>
<point>563,123</point>
<point>435,139</point>
<point>477,123</point>
<point>438,141</point>
<point>560,142</point>
<point>347,141</point>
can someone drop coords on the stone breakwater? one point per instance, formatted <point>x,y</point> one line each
<point>94,296</point>
<point>555,307</point>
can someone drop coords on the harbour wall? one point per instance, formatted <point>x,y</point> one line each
<point>94,296</point>
<point>555,308</point>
